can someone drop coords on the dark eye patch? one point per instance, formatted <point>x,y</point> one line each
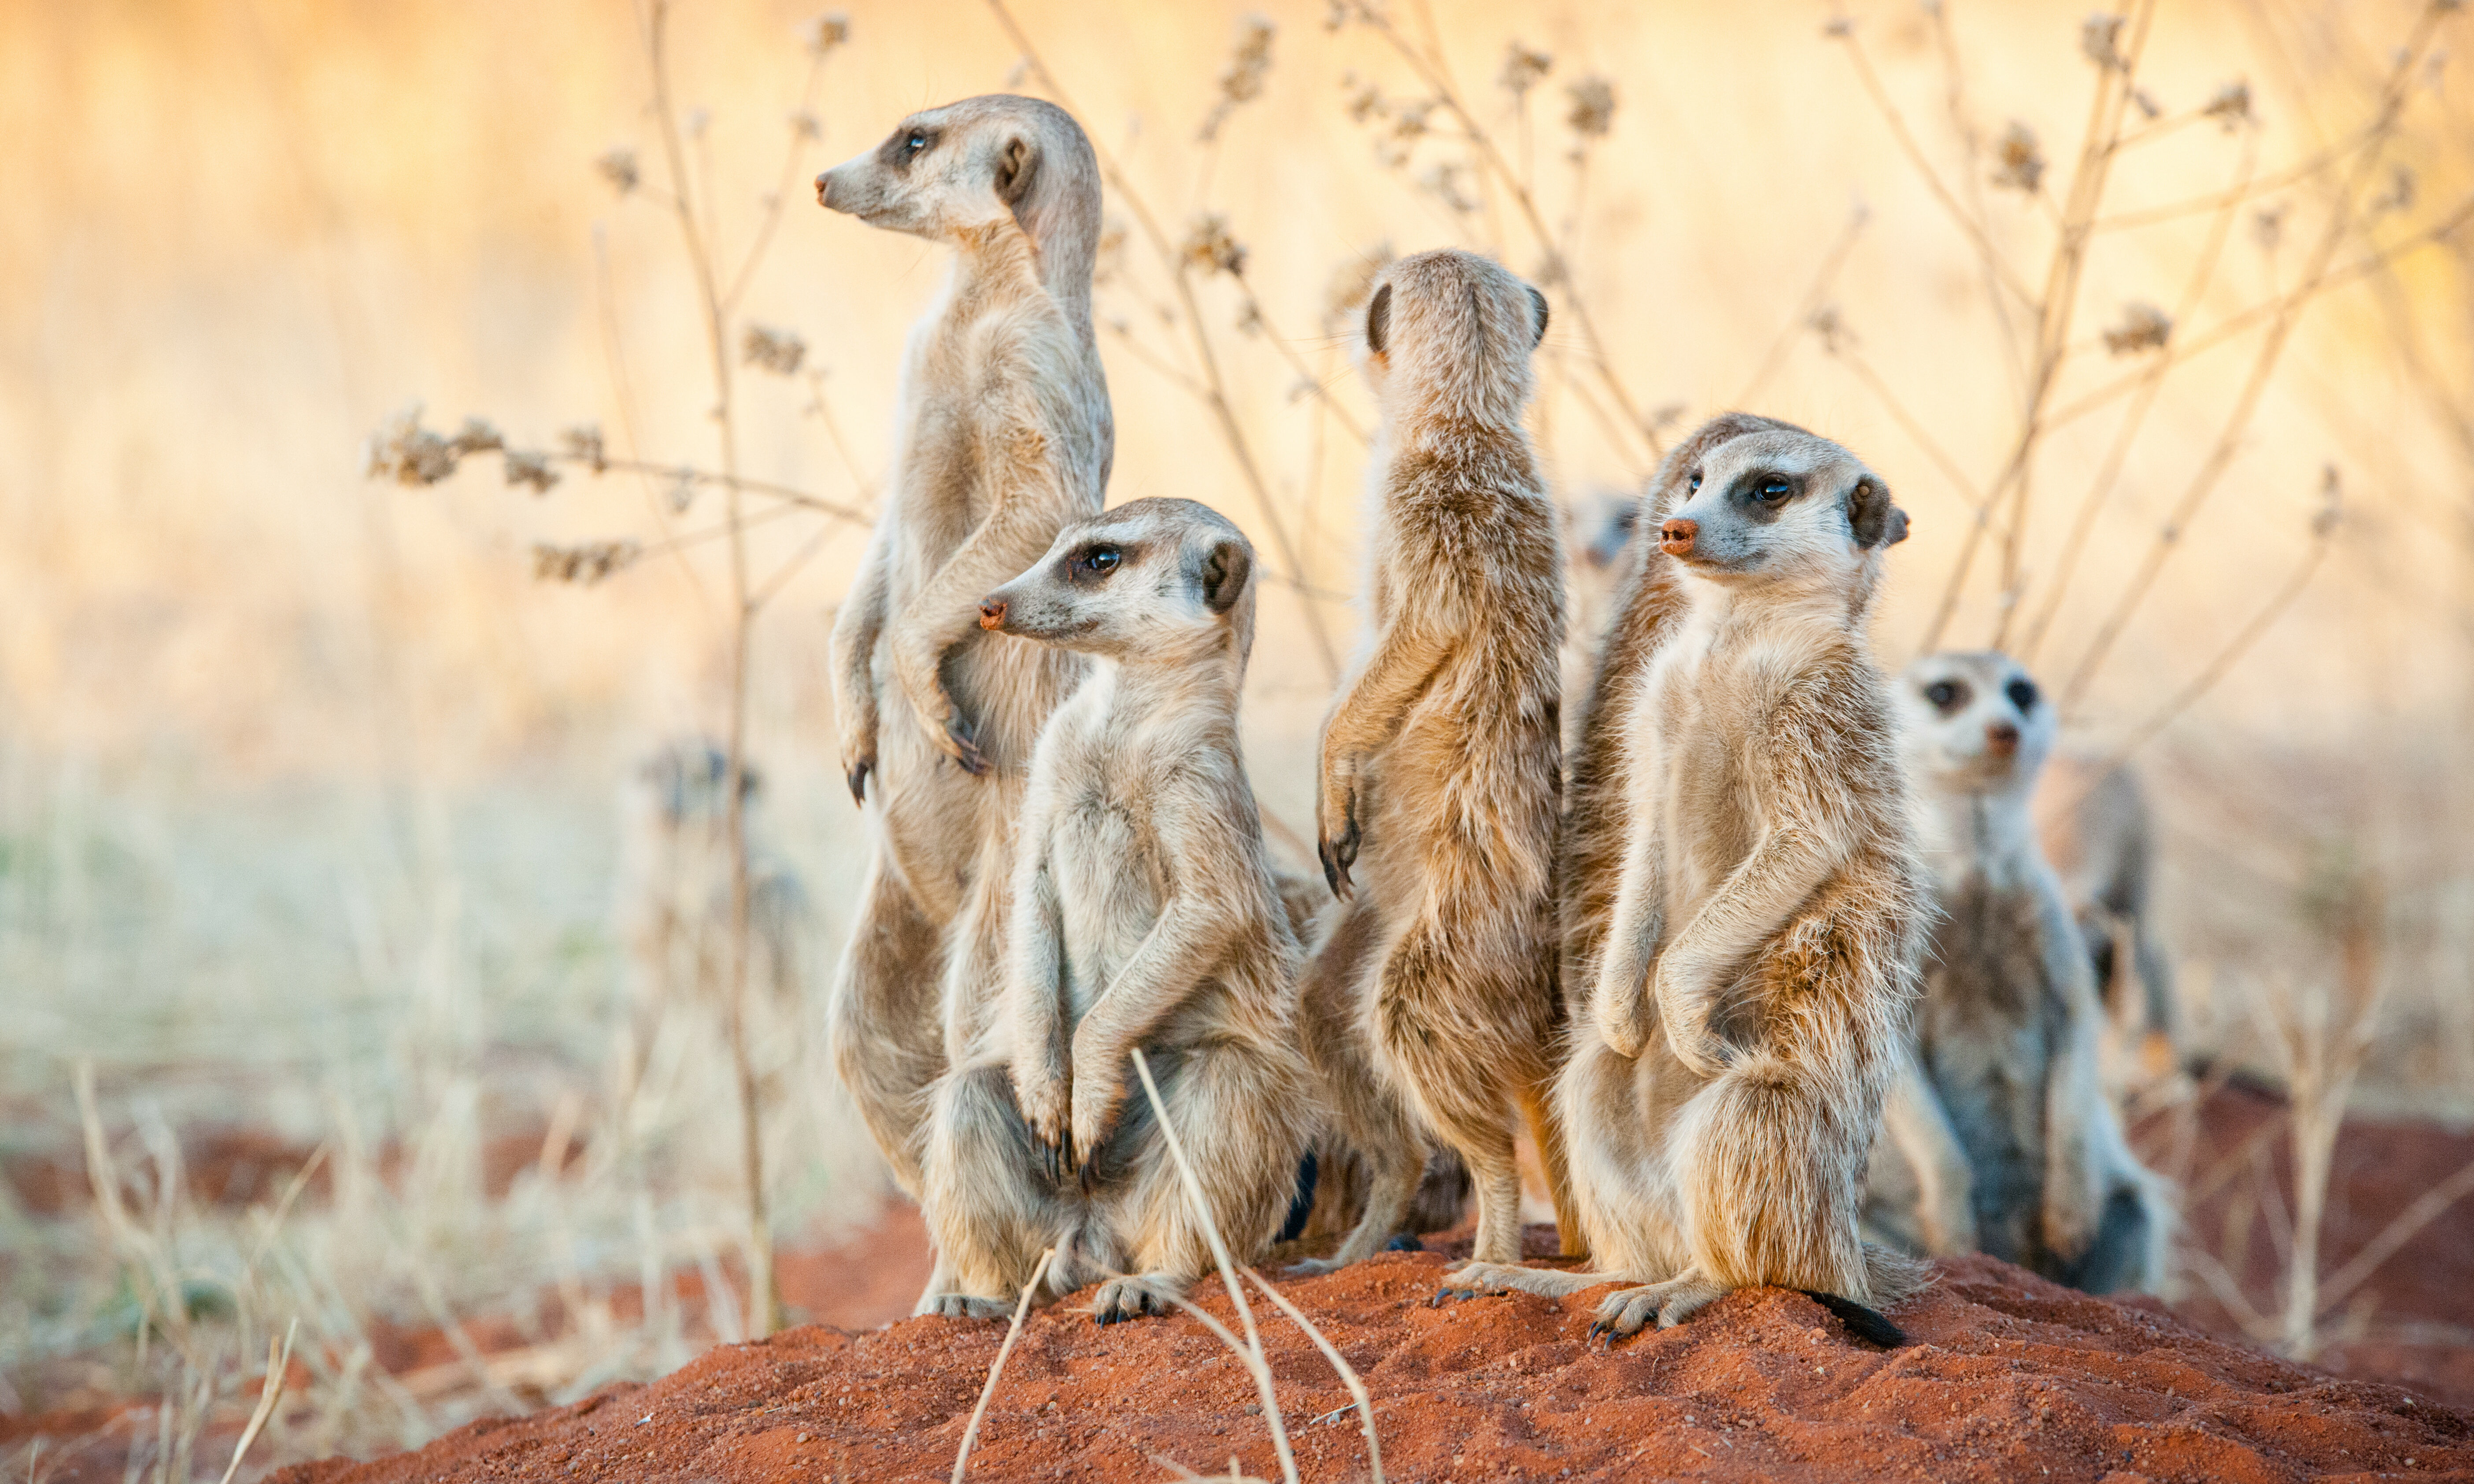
<point>1763,493</point>
<point>1947,696</point>
<point>2021,693</point>
<point>904,145</point>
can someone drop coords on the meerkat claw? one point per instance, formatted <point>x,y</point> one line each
<point>966,748</point>
<point>859,782</point>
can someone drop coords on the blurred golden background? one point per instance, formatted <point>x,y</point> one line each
<point>315,804</point>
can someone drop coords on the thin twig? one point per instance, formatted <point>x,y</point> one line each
<point>2426,1208</point>
<point>996,1367</point>
<point>1228,1268</point>
<point>2271,349</point>
<point>278,1366</point>
<point>791,158</point>
<point>1288,353</point>
<point>1805,308</point>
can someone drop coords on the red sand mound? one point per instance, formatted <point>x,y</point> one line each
<point>2008,1378</point>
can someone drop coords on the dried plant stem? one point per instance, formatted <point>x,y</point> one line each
<point>996,1367</point>
<point>2221,456</point>
<point>1815,298</point>
<point>1430,68</point>
<point>1348,1376</point>
<point>732,483</point>
<point>1305,377</point>
<point>279,1365</point>
<point>1972,175</point>
<point>1253,1346</point>
<point>1214,391</point>
<point>2425,1209</point>
<point>780,196</point>
<point>2151,384</point>
<point>2248,191</point>
<point>763,1300</point>
<point>1856,361</point>
<point>1974,231</point>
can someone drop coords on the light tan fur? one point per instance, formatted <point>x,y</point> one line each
<point>1433,1001</point>
<point>2101,836</point>
<point>1145,915</point>
<point>1004,436</point>
<point>2007,1035</point>
<point>1757,964</point>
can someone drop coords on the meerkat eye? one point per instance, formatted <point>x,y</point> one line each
<point>2021,693</point>
<point>1945,694</point>
<point>1693,484</point>
<point>1099,561</point>
<point>917,141</point>
<point>1772,489</point>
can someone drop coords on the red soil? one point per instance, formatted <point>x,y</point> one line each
<point>2009,1377</point>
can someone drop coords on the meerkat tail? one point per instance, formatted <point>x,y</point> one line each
<point>1537,1105</point>
<point>1869,1325</point>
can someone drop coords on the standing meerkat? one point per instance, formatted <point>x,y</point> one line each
<point>1004,436</point>
<point>1757,968</point>
<point>1433,995</point>
<point>2100,834</point>
<point>2009,1026</point>
<point>1145,915</point>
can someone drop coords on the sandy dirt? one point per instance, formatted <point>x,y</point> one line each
<point>2006,1377</point>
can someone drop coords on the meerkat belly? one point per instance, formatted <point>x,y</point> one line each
<point>1108,894</point>
<point>1988,1036</point>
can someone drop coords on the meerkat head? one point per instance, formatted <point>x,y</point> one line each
<point>1779,505</point>
<point>1156,581</point>
<point>1448,336</point>
<point>969,164</point>
<point>1975,723</point>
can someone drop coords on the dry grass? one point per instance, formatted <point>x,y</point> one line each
<point>305,815</point>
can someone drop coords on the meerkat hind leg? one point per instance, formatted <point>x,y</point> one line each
<point>1476,1277</point>
<point>1391,1184</point>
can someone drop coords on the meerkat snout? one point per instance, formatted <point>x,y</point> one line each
<point>992,612</point>
<point>1675,536</point>
<point>2002,738</point>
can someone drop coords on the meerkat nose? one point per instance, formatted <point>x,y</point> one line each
<point>992,614</point>
<point>824,184</point>
<point>1675,536</point>
<point>2002,738</point>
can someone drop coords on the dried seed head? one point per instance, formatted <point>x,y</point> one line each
<point>1250,318</point>
<point>404,451</point>
<point>476,436</point>
<point>2100,39</point>
<point>2332,503</point>
<point>1524,67</point>
<point>2267,227</point>
<point>529,469</point>
<point>1350,282</point>
<point>1838,28</point>
<point>2022,159</point>
<point>807,126</point>
<point>618,166</point>
<point>779,351</point>
<point>1833,330</point>
<point>583,444</point>
<point>2143,327</point>
<point>2231,105</point>
<point>1364,102</point>
<point>1593,106</point>
<point>1243,80</point>
<point>1665,415</point>
<point>586,565</point>
<point>1111,261</point>
<point>826,31</point>
<point>2146,101</point>
<point>1551,271</point>
<point>1209,246</point>
<point>2399,195</point>
<point>681,493</point>
<point>1443,181</point>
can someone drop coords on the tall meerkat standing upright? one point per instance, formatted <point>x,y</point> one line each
<point>2008,1031</point>
<point>1756,969</point>
<point>1145,915</point>
<point>1004,436</point>
<point>1433,995</point>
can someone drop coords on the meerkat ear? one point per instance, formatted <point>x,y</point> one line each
<point>1017,163</point>
<point>1540,300</point>
<point>1378,318</point>
<point>1224,571</point>
<point>1870,514</point>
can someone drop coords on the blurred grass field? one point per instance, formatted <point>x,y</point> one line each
<point>310,794</point>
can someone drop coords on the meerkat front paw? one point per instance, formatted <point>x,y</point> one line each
<point>859,756</point>
<point>1622,1019</point>
<point>1047,1111</point>
<point>963,1306</point>
<point>1683,997</point>
<point>1095,1114</point>
<point>1337,836</point>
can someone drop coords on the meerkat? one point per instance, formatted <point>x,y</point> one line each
<point>1004,436</point>
<point>2099,835</point>
<point>1145,915</point>
<point>2009,1024</point>
<point>1758,965</point>
<point>1432,1003</point>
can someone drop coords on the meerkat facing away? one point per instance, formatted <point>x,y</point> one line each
<point>1004,434</point>
<point>1145,915</point>
<point>676,898</point>
<point>1756,972</point>
<point>2100,834</point>
<point>2009,1024</point>
<point>1433,998</point>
